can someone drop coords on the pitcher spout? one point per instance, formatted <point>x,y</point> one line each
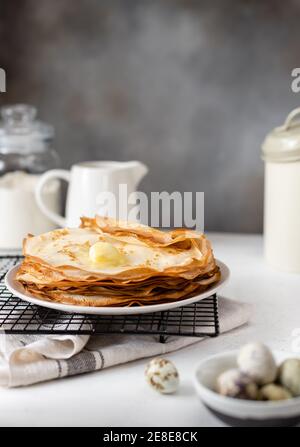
<point>139,170</point>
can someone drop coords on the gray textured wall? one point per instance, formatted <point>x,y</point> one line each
<point>188,87</point>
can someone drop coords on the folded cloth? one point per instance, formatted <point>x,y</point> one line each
<point>28,359</point>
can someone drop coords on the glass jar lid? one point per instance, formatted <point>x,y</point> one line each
<point>21,132</point>
<point>282,145</point>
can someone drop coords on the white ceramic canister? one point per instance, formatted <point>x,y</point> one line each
<point>281,153</point>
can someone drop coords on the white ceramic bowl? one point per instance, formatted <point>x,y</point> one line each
<point>242,412</point>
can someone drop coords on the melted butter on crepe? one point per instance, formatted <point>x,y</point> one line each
<point>106,254</point>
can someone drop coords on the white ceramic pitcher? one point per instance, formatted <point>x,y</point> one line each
<point>89,183</point>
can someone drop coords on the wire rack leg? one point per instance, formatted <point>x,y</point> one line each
<point>162,339</point>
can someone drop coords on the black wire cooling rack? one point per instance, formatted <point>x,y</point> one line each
<point>17,316</point>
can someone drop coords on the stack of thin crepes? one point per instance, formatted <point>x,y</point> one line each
<point>155,267</point>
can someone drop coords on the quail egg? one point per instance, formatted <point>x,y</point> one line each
<point>162,375</point>
<point>289,375</point>
<point>274,392</point>
<point>257,361</point>
<point>234,383</point>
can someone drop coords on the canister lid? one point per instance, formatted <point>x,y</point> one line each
<point>282,145</point>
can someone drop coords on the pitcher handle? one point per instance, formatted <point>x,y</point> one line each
<point>57,174</point>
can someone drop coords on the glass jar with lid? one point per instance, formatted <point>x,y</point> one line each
<point>26,152</point>
<point>25,143</point>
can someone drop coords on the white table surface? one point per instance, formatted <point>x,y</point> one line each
<point>119,396</point>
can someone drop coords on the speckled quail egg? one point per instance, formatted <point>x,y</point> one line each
<point>257,361</point>
<point>234,383</point>
<point>289,375</point>
<point>162,375</point>
<point>274,392</point>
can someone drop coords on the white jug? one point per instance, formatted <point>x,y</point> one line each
<point>89,184</point>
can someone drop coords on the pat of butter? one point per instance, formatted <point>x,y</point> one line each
<point>106,254</point>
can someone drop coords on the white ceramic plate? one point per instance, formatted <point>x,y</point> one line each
<point>18,290</point>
